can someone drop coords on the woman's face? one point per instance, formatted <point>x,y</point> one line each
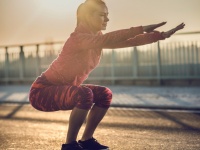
<point>98,20</point>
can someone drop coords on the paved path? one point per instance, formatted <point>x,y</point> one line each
<point>24,128</point>
<point>126,96</point>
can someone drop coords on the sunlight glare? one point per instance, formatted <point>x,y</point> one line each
<point>54,5</point>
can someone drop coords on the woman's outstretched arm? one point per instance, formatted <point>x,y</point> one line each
<point>139,40</point>
<point>146,38</point>
<point>89,41</point>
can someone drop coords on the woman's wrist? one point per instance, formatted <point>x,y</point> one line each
<point>163,35</point>
<point>144,28</point>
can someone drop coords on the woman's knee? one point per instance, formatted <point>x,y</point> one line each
<point>84,98</point>
<point>33,99</point>
<point>104,98</point>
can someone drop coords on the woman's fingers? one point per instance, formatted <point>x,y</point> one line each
<point>160,24</point>
<point>172,31</point>
<point>179,27</point>
<point>151,28</point>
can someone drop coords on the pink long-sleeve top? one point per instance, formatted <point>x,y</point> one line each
<point>82,52</point>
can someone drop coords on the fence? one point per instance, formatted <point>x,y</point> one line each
<point>158,61</point>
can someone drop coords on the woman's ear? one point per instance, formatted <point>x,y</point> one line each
<point>88,18</point>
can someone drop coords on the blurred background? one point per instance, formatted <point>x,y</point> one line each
<point>32,33</point>
<point>159,82</point>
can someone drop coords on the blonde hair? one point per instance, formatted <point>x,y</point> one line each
<point>87,8</point>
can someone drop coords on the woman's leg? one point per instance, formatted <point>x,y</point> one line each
<point>79,113</point>
<point>79,99</point>
<point>102,99</point>
<point>94,118</point>
<point>47,97</point>
<point>76,120</point>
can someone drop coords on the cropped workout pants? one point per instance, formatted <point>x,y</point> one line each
<point>45,96</point>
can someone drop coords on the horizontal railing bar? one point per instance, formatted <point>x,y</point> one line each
<point>141,78</point>
<point>32,44</point>
<point>187,33</point>
<point>111,78</point>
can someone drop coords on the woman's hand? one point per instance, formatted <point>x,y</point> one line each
<point>169,33</point>
<point>150,28</point>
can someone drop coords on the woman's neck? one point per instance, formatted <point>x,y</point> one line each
<point>87,26</point>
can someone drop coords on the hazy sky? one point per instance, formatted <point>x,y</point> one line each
<point>30,21</point>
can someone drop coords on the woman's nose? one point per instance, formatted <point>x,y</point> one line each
<point>106,19</point>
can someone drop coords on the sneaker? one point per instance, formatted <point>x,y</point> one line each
<point>71,146</point>
<point>92,144</point>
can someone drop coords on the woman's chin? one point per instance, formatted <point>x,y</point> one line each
<point>103,28</point>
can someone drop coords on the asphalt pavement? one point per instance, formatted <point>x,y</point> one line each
<point>24,128</point>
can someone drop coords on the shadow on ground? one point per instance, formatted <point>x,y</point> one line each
<point>144,129</point>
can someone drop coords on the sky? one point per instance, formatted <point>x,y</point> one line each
<point>34,21</point>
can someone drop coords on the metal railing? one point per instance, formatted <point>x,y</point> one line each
<point>158,61</point>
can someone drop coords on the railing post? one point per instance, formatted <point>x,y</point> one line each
<point>6,66</point>
<point>185,60</point>
<point>37,61</point>
<point>135,62</point>
<point>22,64</point>
<point>197,59</point>
<point>159,65</point>
<point>113,67</point>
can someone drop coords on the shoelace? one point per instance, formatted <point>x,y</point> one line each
<point>77,146</point>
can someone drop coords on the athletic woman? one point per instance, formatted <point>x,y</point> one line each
<point>61,86</point>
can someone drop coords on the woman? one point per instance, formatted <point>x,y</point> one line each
<point>60,86</point>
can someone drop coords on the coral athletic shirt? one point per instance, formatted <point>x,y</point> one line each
<point>82,52</point>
